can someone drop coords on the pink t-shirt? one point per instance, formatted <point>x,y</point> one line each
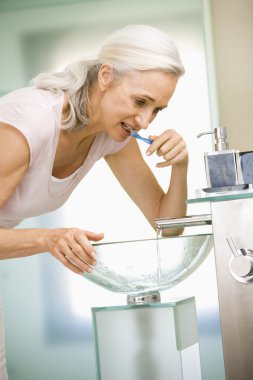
<point>37,114</point>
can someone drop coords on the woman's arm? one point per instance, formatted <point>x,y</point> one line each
<point>14,160</point>
<point>140,183</point>
<point>71,246</point>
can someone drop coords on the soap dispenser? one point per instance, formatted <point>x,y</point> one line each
<point>222,164</point>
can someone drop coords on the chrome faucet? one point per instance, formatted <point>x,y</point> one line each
<point>187,221</point>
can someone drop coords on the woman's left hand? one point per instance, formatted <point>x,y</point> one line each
<point>171,147</point>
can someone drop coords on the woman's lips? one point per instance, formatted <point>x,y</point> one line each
<point>126,127</point>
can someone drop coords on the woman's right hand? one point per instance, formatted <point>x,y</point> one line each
<point>72,247</point>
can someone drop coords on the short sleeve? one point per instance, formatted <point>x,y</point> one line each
<point>32,120</point>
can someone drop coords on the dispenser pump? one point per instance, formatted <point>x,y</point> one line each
<point>220,135</point>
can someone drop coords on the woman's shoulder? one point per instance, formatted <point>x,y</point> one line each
<point>30,106</point>
<point>32,96</point>
<point>32,112</point>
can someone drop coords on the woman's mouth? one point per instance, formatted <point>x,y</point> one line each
<point>126,127</point>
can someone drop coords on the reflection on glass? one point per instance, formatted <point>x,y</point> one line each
<point>215,197</point>
<point>133,267</point>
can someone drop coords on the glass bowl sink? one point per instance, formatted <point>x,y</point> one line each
<point>143,266</point>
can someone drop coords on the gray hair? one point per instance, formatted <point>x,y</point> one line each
<point>134,47</point>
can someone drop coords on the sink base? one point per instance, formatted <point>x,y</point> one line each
<point>142,299</point>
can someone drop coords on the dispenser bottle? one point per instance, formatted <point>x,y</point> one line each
<point>222,164</point>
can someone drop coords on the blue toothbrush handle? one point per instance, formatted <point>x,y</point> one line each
<point>137,136</point>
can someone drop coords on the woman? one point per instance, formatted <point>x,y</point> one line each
<point>66,121</point>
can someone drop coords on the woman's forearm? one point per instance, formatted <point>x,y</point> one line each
<point>21,242</point>
<point>71,246</point>
<point>173,203</point>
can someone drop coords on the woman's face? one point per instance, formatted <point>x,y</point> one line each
<point>132,101</point>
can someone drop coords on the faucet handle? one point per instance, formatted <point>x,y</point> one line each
<point>241,263</point>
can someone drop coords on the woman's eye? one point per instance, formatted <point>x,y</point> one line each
<point>140,102</point>
<point>156,110</point>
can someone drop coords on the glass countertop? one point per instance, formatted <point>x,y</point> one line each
<point>140,266</point>
<point>220,197</point>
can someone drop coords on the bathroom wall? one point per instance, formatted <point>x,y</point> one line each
<point>47,308</point>
<point>232,40</point>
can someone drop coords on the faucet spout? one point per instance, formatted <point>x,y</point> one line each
<point>187,221</point>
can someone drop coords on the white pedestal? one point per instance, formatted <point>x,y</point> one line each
<point>147,342</point>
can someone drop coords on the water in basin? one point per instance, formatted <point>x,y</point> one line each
<point>135,267</point>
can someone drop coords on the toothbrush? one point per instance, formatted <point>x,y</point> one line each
<point>137,136</point>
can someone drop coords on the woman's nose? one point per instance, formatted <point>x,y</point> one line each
<point>143,120</point>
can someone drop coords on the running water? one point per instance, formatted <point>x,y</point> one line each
<point>158,236</point>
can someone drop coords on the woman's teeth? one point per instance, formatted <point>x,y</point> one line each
<point>126,127</point>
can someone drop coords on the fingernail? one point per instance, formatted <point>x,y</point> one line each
<point>93,254</point>
<point>148,153</point>
<point>89,270</point>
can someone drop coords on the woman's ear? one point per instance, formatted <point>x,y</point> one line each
<point>105,76</point>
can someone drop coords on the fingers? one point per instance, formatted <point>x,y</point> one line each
<point>71,265</point>
<point>94,236</point>
<point>177,160</point>
<point>171,147</point>
<point>72,247</point>
<point>81,245</point>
